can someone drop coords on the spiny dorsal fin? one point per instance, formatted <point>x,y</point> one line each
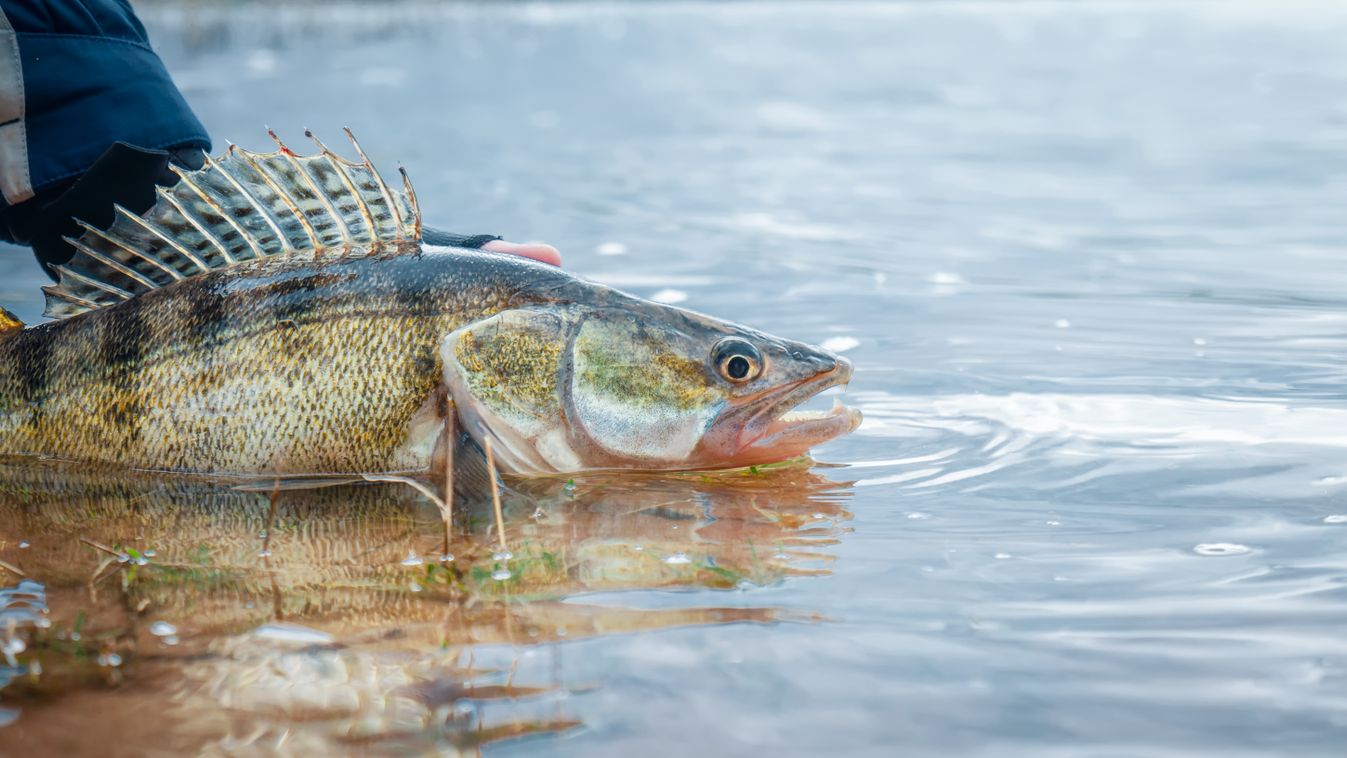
<point>236,208</point>
<point>9,323</point>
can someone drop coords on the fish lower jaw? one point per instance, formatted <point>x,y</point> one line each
<point>793,433</point>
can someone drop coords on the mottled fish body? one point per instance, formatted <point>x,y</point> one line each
<point>277,314</point>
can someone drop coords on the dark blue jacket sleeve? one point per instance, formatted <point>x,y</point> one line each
<point>91,79</point>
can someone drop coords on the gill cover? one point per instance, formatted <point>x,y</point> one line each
<point>574,388</point>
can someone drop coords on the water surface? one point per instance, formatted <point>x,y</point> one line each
<point>1087,260</point>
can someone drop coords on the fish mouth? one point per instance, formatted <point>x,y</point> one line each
<point>776,431</point>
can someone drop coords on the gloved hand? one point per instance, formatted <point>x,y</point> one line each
<point>124,175</point>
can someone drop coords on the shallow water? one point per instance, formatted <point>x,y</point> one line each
<point>1087,261</point>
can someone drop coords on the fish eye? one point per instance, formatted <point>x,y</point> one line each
<point>737,360</point>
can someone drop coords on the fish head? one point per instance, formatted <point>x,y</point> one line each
<point>638,385</point>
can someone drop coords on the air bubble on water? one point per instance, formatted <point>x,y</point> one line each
<point>170,640</point>
<point>501,574</point>
<point>840,344</point>
<point>611,248</point>
<point>1221,549</point>
<point>1326,481</point>
<point>1002,556</point>
<point>538,514</point>
<point>412,559</point>
<point>1199,341</point>
<point>414,587</point>
<point>1054,523</point>
<point>109,659</point>
<point>781,556</point>
<point>1337,518</point>
<point>502,555</point>
<point>264,554</point>
<point>123,558</point>
<point>142,561</point>
<point>818,516</point>
<point>23,544</point>
<point>918,515</point>
<point>42,622</point>
<point>1062,323</point>
<point>163,629</point>
<point>678,559</point>
<point>447,558</point>
<point>149,553</point>
<point>13,646</point>
<point>74,636</point>
<point>638,548</point>
<point>669,296</point>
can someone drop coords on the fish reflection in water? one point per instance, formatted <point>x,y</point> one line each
<point>299,621</point>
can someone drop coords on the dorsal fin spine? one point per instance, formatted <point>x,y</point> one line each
<point>161,234</point>
<point>114,265</point>
<point>111,289</point>
<point>285,198</point>
<point>186,178</point>
<point>318,193</point>
<point>197,224</point>
<point>411,198</point>
<point>132,251</point>
<point>383,188</point>
<point>54,290</point>
<point>346,179</point>
<point>261,209</point>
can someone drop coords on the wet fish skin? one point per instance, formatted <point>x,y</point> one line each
<point>273,365</point>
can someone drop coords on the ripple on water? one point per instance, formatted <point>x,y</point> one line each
<point>1217,549</point>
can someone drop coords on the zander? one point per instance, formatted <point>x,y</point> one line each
<point>278,314</point>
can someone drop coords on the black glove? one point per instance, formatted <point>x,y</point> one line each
<point>124,175</point>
